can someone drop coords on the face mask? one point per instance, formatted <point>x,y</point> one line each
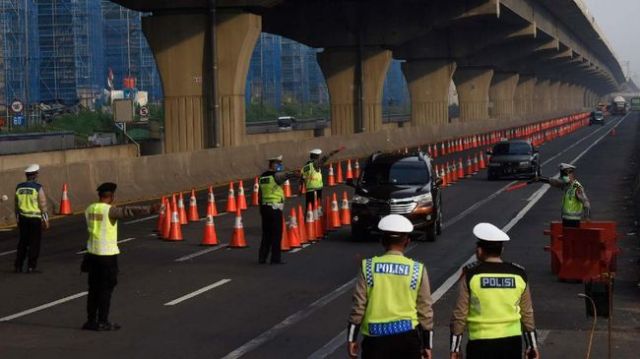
<point>279,167</point>
<point>565,179</point>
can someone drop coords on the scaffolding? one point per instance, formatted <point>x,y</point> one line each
<point>126,51</point>
<point>71,50</point>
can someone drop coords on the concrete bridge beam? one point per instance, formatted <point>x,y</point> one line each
<point>473,92</point>
<point>429,82</point>
<point>340,68</point>
<point>524,96</point>
<point>502,95</point>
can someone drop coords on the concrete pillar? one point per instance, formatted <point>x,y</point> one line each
<point>429,82</point>
<point>179,43</point>
<point>502,94</point>
<point>236,35</point>
<point>339,68</point>
<point>564,97</point>
<point>170,38</point>
<point>554,101</point>
<point>524,96</point>
<point>473,85</point>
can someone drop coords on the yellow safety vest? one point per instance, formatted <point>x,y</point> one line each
<point>270,191</point>
<point>27,199</point>
<point>494,300</point>
<point>312,177</point>
<point>392,291</point>
<point>572,208</point>
<point>103,234</point>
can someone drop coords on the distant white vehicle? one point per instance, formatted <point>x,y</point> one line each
<point>286,121</point>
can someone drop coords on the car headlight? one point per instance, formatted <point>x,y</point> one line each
<point>525,164</point>
<point>359,200</point>
<point>425,200</point>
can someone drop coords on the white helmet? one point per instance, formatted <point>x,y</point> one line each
<point>490,233</point>
<point>316,151</point>
<point>32,168</point>
<point>395,223</point>
<point>566,166</point>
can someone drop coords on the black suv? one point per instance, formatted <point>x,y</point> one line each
<point>514,158</point>
<point>596,118</point>
<point>403,184</point>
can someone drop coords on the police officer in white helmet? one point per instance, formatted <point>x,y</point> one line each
<point>392,305</point>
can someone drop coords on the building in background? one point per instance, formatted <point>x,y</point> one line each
<point>264,85</point>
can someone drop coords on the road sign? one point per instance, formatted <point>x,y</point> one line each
<point>143,111</point>
<point>122,110</point>
<point>18,120</point>
<point>17,106</point>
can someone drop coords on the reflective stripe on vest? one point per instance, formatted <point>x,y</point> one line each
<point>103,234</point>
<point>312,177</point>
<point>572,208</point>
<point>494,305</point>
<point>270,191</point>
<point>27,199</point>
<point>392,292</point>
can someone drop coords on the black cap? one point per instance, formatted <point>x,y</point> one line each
<point>107,187</point>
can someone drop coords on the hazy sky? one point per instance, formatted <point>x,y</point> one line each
<point>620,21</point>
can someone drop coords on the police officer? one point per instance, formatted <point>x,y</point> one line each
<point>32,217</point>
<point>494,302</point>
<point>575,203</point>
<point>271,197</point>
<point>312,174</point>
<point>101,260</point>
<point>392,304</point>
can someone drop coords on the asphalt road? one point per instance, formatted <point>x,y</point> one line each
<point>223,304</point>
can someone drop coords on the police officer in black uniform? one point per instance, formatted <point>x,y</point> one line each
<point>272,197</point>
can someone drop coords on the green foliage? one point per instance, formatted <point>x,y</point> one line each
<point>257,112</point>
<point>84,123</point>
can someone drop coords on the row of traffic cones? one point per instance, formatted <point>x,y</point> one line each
<point>452,171</point>
<point>335,178</point>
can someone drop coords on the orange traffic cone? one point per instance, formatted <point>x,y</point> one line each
<point>287,189</point>
<point>317,217</point>
<point>211,203</point>
<point>443,175</point>
<point>175,233</point>
<point>241,199</point>
<point>302,230</point>
<point>356,169</point>
<point>166,223</point>
<point>330,176</point>
<point>482,164</point>
<point>231,199</point>
<point>293,234</point>
<point>345,211</point>
<point>339,178</point>
<point>182,212</point>
<point>210,237</point>
<point>303,187</point>
<point>163,212</point>
<point>349,175</point>
<point>255,200</point>
<point>334,214</point>
<point>193,207</point>
<point>435,151</point>
<point>237,239</point>
<point>475,164</point>
<point>310,224</point>
<point>284,241</point>
<point>454,172</point>
<point>460,169</point>
<point>65,203</point>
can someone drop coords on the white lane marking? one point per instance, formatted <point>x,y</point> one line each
<point>42,307</point>
<point>141,219</point>
<point>289,321</point>
<point>296,250</point>
<point>7,252</point>
<point>199,253</point>
<point>119,242</point>
<point>198,292</point>
<point>340,339</point>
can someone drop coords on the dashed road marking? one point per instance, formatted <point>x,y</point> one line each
<point>42,307</point>
<point>199,253</point>
<point>7,253</point>
<point>198,292</point>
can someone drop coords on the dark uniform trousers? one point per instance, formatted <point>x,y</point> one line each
<point>405,345</point>
<point>310,197</point>
<point>571,223</point>
<point>271,234</point>
<point>503,348</point>
<point>29,243</point>
<point>103,277</point>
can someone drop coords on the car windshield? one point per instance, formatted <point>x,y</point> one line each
<point>512,148</point>
<point>396,173</point>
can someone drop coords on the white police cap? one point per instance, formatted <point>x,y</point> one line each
<point>316,151</point>
<point>566,166</point>
<point>395,223</point>
<point>490,233</point>
<point>32,168</point>
<point>276,158</point>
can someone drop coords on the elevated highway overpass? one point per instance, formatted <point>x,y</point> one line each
<point>508,59</point>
